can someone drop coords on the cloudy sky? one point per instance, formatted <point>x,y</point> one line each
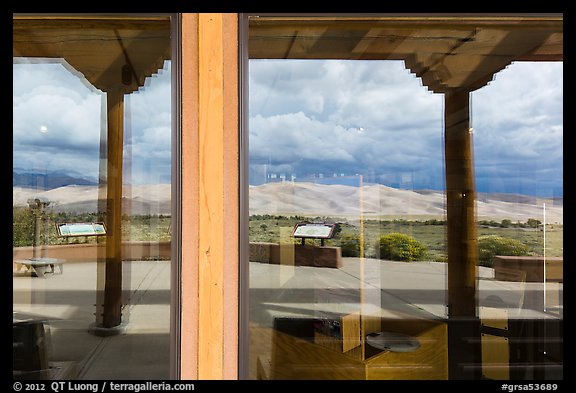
<point>58,118</point>
<point>374,118</point>
<point>311,120</point>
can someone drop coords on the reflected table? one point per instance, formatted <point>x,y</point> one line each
<point>40,266</point>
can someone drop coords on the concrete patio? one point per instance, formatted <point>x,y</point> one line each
<point>66,303</point>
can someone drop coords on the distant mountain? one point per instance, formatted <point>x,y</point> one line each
<point>137,199</point>
<point>377,200</point>
<point>47,181</point>
<point>309,199</point>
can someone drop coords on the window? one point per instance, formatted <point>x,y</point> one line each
<point>92,199</point>
<point>405,194</point>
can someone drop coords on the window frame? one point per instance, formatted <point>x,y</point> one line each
<point>243,71</point>
<point>176,172</point>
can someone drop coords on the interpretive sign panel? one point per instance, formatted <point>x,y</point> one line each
<point>81,229</point>
<point>313,231</point>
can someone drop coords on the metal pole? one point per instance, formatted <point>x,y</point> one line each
<point>37,206</point>
<point>37,226</point>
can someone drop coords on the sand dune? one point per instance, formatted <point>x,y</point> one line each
<point>140,199</point>
<point>310,199</point>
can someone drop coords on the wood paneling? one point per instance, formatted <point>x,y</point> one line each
<point>210,196</point>
<point>430,361</point>
<point>298,358</point>
<point>189,207</point>
<point>231,195</point>
<point>495,357</point>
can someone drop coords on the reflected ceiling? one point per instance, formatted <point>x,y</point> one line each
<point>447,53</point>
<point>111,53</point>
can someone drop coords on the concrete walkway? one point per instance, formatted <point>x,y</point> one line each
<point>66,302</point>
<point>388,287</point>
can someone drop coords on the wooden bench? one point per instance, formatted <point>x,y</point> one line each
<point>535,267</point>
<point>39,266</point>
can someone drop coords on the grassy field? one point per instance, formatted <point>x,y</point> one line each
<point>134,228</point>
<point>432,233</point>
<point>269,228</point>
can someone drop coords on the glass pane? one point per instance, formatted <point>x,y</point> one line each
<point>405,198</point>
<point>333,144</point>
<point>518,134</point>
<point>91,198</point>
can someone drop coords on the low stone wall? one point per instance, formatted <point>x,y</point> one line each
<point>295,254</point>
<point>533,267</point>
<point>89,252</point>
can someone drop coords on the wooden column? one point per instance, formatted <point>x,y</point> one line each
<point>460,201</point>
<point>463,324</point>
<point>211,196</point>
<point>189,204</point>
<point>112,311</point>
<point>210,164</point>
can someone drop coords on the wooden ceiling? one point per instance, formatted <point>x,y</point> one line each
<point>447,53</point>
<point>111,53</point>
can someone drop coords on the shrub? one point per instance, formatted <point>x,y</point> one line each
<point>350,245</point>
<point>491,245</point>
<point>401,247</point>
<point>23,222</point>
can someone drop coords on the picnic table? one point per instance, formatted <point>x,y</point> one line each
<point>39,266</point>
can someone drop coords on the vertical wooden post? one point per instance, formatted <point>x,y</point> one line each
<point>189,203</point>
<point>210,160</point>
<point>463,325</point>
<point>112,312</point>
<point>211,195</point>
<point>460,201</point>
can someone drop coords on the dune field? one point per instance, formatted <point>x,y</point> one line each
<point>310,199</point>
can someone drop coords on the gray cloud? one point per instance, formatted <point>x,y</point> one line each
<point>518,130</point>
<point>368,110</point>
<point>308,117</point>
<point>375,118</point>
<point>57,123</point>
